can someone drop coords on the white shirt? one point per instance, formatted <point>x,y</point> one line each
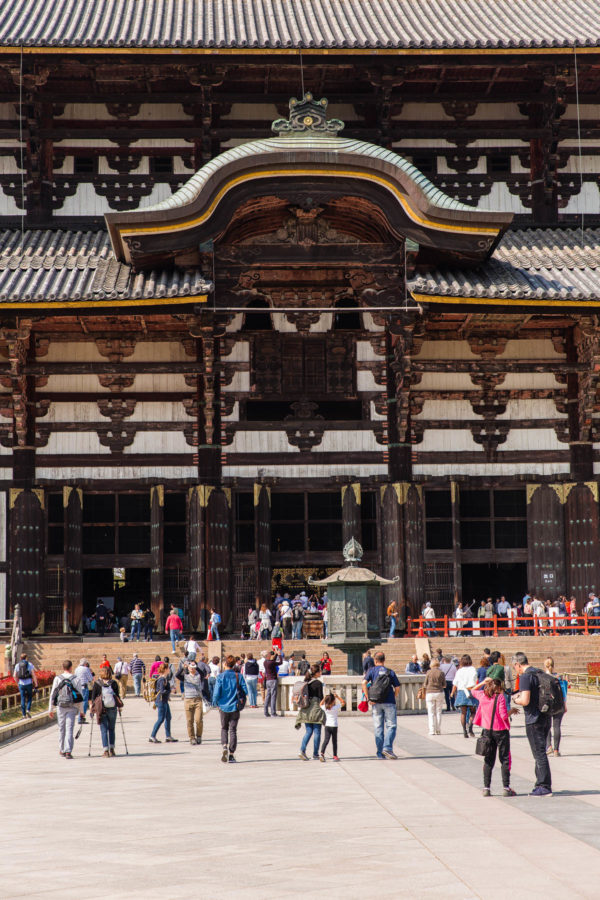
<point>284,668</point>
<point>261,666</point>
<point>428,613</point>
<point>331,715</point>
<point>192,647</point>
<point>136,614</point>
<point>121,668</point>
<point>214,669</point>
<point>465,678</point>
<point>58,679</point>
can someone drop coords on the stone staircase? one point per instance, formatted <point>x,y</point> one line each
<point>570,653</point>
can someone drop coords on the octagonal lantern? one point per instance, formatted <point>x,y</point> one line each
<point>354,612</point>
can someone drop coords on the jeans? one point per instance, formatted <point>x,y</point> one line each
<point>434,703</point>
<point>252,682</point>
<point>501,741</point>
<point>315,731</point>
<point>135,629</point>
<point>554,737</point>
<point>164,715</point>
<point>148,632</point>
<point>271,698</point>
<point>137,683</point>
<point>66,716</point>
<point>537,735</point>
<point>393,624</point>
<point>85,693</point>
<point>107,727</point>
<point>384,722</point>
<point>193,716</point>
<point>211,686</point>
<point>229,724</point>
<point>174,635</point>
<point>330,732</point>
<point>215,633</point>
<point>297,630</point>
<point>449,699</point>
<point>26,692</point>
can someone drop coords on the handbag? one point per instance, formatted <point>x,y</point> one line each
<point>483,744</point>
<point>421,693</point>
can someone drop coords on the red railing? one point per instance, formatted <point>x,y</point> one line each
<point>448,626</point>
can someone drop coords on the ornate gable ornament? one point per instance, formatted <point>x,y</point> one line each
<point>308,115</point>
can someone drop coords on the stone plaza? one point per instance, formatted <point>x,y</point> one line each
<point>172,820</point>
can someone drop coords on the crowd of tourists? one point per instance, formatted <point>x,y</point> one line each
<point>532,615</point>
<point>487,695</point>
<point>287,617</point>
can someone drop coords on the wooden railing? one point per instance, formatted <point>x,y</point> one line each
<point>349,688</point>
<point>516,626</point>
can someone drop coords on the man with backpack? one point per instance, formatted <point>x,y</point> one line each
<point>302,666</point>
<point>297,619</point>
<point>25,677</point>
<point>65,703</point>
<point>381,687</point>
<point>541,697</point>
<point>215,621</point>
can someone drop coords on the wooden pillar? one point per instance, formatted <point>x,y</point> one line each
<point>27,553</point>
<point>413,548</point>
<point>73,508</point>
<point>399,347</point>
<point>351,524</point>
<point>218,553</point>
<point>209,407</point>
<point>581,538</point>
<point>196,551</point>
<point>546,575</point>
<point>392,497</point>
<point>262,541</point>
<point>456,561</point>
<point>157,503</point>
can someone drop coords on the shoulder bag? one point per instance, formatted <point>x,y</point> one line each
<point>483,745</point>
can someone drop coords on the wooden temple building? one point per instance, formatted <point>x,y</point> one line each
<point>240,323</point>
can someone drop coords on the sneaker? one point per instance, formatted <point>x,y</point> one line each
<point>171,740</point>
<point>508,792</point>
<point>61,752</point>
<point>315,757</point>
<point>380,756</point>
<point>556,752</point>
<point>549,751</point>
<point>321,757</point>
<point>540,791</point>
<point>112,751</point>
<point>336,759</point>
<point>106,753</point>
<point>28,715</point>
<point>302,755</point>
<point>225,755</point>
<point>389,754</point>
<point>486,792</point>
<point>232,758</point>
<point>199,740</point>
<point>192,740</point>
<point>68,756</point>
<point>152,740</point>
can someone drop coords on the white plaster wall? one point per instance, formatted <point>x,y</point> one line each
<point>160,383</point>
<point>260,442</point>
<point>72,351</point>
<point>586,201</point>
<point>112,473</point>
<point>442,440</point>
<point>86,411</point>
<point>375,416</point>
<point>529,381</point>
<point>530,349</point>
<point>531,409</point>
<point>532,439</point>
<point>447,410</point>
<point>73,443</point>
<point>492,469</point>
<point>235,413</point>
<point>445,350</point>
<point>159,442</point>
<point>73,383</point>
<point>84,202</point>
<point>167,411</point>
<point>501,200</point>
<point>369,324</point>
<point>8,206</point>
<point>255,112</point>
<point>159,351</point>
<point>240,382</point>
<point>239,353</point>
<point>365,352</point>
<point>349,442</point>
<point>442,381</point>
<point>303,471</point>
<point>366,382</point>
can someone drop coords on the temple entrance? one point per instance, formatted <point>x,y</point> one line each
<point>483,580</point>
<point>120,588</point>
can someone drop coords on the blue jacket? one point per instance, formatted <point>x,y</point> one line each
<point>225,693</point>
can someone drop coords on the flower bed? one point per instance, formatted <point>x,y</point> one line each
<point>593,668</point>
<point>8,685</point>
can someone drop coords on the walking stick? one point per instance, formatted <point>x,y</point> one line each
<point>123,730</point>
<point>91,729</point>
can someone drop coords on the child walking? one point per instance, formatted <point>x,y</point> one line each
<point>497,732</point>
<point>332,704</point>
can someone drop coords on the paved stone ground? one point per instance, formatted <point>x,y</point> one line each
<point>172,820</point>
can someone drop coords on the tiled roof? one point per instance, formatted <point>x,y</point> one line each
<point>300,23</point>
<point>536,263</point>
<point>80,265</point>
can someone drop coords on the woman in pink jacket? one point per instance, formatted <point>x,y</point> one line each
<point>488,692</point>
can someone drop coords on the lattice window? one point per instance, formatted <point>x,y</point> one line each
<point>439,587</point>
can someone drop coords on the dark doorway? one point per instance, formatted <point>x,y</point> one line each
<point>483,580</point>
<point>127,586</point>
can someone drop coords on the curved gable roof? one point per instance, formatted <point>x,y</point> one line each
<point>306,156</point>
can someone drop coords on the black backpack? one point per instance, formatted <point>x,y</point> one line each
<point>252,667</point>
<point>380,687</point>
<point>24,672</point>
<point>550,696</point>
